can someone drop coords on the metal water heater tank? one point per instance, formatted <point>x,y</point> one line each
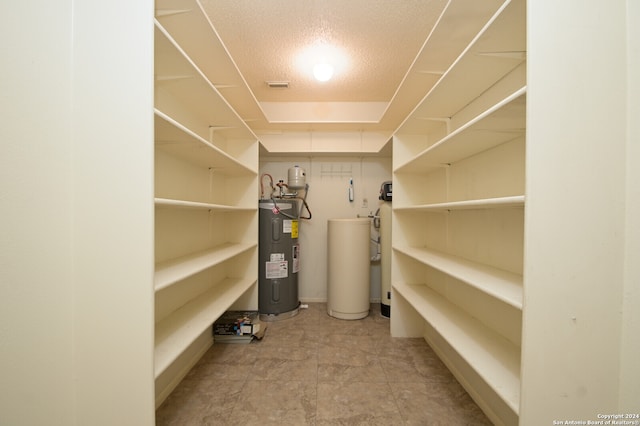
<point>279,257</point>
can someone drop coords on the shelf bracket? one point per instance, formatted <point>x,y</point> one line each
<point>224,86</point>
<point>213,129</point>
<point>437,73</point>
<point>445,120</point>
<point>518,54</point>
<point>173,77</point>
<point>169,12</point>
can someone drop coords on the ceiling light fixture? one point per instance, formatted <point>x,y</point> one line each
<point>322,61</point>
<point>322,71</point>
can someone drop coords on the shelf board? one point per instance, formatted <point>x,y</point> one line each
<point>176,332</point>
<point>191,28</point>
<point>501,123</point>
<point>183,204</point>
<point>493,357</point>
<point>179,81</point>
<point>516,201</point>
<point>497,49</point>
<point>440,50</point>
<point>502,285</point>
<point>178,140</point>
<point>173,271</point>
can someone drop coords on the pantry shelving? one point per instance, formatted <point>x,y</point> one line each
<point>206,222</point>
<point>168,203</point>
<point>179,330</point>
<point>486,203</point>
<point>494,358</point>
<point>458,215</point>
<point>500,123</point>
<point>503,285</point>
<point>174,271</point>
<point>442,47</point>
<point>214,61</point>
<point>174,138</point>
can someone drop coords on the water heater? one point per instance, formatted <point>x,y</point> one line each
<point>279,257</point>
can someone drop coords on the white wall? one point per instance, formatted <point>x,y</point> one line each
<point>580,324</point>
<point>76,235</point>
<point>36,230</point>
<point>112,121</point>
<point>328,179</point>
<point>629,371</point>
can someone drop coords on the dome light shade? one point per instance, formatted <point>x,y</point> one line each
<point>322,71</point>
<point>321,61</point>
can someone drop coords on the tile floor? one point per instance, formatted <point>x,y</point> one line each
<point>313,369</point>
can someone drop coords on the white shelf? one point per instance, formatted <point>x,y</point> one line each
<point>493,357</point>
<point>182,87</point>
<point>497,49</point>
<point>173,271</point>
<point>176,139</point>
<point>464,141</point>
<point>501,123</point>
<point>202,145</point>
<point>441,49</point>
<point>515,201</point>
<point>191,28</point>
<point>195,205</point>
<point>502,285</point>
<point>176,332</point>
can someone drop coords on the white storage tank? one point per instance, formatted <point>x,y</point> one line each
<point>297,178</point>
<point>348,268</point>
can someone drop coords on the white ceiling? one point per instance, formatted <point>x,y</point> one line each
<point>379,82</point>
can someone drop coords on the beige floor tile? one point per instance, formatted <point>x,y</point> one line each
<point>357,403</point>
<point>412,360</point>
<point>317,370</point>
<point>275,403</point>
<point>285,364</point>
<point>225,362</point>
<point>437,403</point>
<point>339,364</point>
<point>196,402</point>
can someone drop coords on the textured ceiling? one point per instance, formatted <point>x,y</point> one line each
<point>379,41</point>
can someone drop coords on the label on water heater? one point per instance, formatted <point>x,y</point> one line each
<point>290,227</point>
<point>276,257</point>
<point>279,269</point>
<point>296,258</point>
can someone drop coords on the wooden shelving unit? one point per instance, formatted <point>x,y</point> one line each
<point>501,123</point>
<point>178,331</point>
<point>458,214</point>
<point>504,286</point>
<point>206,220</point>
<point>174,271</point>
<point>178,140</point>
<point>495,359</point>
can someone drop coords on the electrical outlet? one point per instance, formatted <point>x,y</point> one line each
<point>365,203</point>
